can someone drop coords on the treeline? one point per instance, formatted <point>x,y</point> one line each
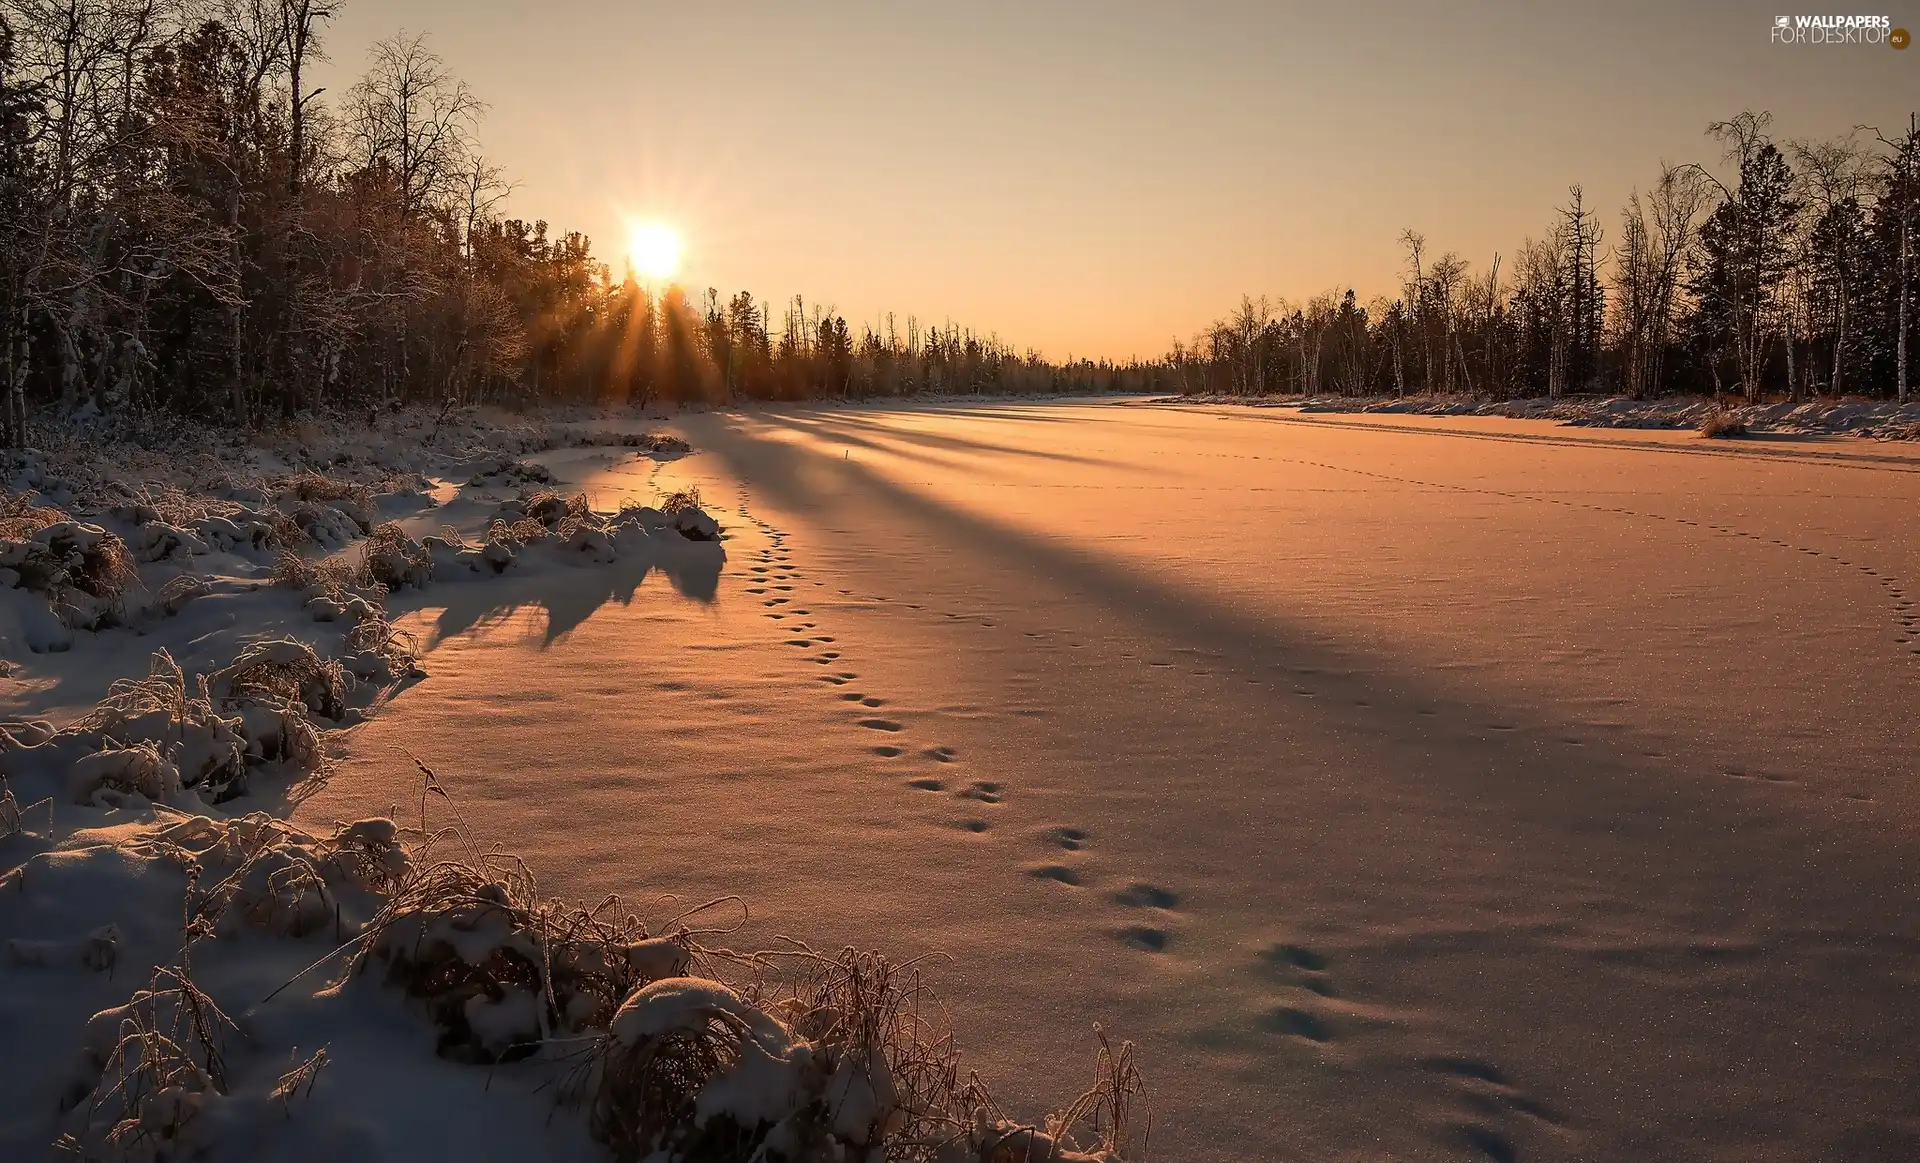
<point>187,226</point>
<point>1788,270</point>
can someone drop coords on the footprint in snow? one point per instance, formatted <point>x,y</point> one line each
<point>1146,896</point>
<point>1145,938</point>
<point>985,790</point>
<point>1071,839</point>
<point>1059,873</point>
<point>1299,966</point>
<point>881,725</point>
<point>1293,1022</point>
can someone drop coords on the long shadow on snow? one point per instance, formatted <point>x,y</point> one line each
<point>568,593</point>
<point>1639,822</point>
<point>1425,772</point>
<point>843,428</point>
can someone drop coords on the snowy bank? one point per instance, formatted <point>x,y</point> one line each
<point>1854,416</point>
<point>187,974</point>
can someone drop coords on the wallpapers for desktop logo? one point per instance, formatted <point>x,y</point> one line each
<point>1839,31</point>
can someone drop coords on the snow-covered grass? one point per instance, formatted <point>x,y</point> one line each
<point>185,622</point>
<point>1723,426</point>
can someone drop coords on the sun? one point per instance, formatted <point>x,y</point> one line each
<point>654,249</point>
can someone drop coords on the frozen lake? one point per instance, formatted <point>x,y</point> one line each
<point>1405,788</point>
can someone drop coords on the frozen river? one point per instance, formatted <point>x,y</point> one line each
<point>1405,788</point>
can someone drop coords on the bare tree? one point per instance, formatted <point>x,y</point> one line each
<point>1657,241</point>
<point>1833,176</point>
<point>1902,165</point>
<point>411,116</point>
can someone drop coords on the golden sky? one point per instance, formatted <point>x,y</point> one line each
<point>1094,179</point>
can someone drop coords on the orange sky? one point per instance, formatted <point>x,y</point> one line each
<point>1097,178</point>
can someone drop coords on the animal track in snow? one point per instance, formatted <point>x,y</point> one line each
<point>881,725</point>
<point>1146,896</point>
<point>1072,839</point>
<point>1059,873</point>
<point>1299,966</point>
<point>985,790</point>
<point>1294,1022</point>
<point>1145,938</point>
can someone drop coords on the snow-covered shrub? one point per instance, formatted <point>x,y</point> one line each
<point>256,872</point>
<point>83,570</point>
<point>108,777</point>
<point>153,738</point>
<point>284,670</point>
<point>158,541</point>
<point>499,970</point>
<point>312,490</point>
<point>656,444</point>
<point>176,593</point>
<point>20,518</point>
<point>380,652</point>
<point>243,529</point>
<point>208,749</point>
<point>329,577</point>
<point>393,560</point>
<point>689,1063</point>
<point>695,525</point>
<point>507,473</point>
<point>147,1071</point>
<point>452,556</point>
<point>843,1066</point>
<point>322,524</point>
<point>1723,426</point>
<point>688,518</point>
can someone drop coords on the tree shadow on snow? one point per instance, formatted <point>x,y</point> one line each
<point>1390,719</point>
<point>844,429</point>
<point>567,593</point>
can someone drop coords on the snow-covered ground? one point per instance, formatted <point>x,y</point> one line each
<point>1852,415</point>
<point>187,975</point>
<point>1405,787</point>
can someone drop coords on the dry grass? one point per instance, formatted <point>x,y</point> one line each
<point>330,576</point>
<point>314,487</point>
<point>20,518</point>
<point>164,1055</point>
<point>472,930</point>
<point>879,1045</point>
<point>681,499</point>
<point>60,554</point>
<point>392,560</point>
<point>1723,425</point>
<point>285,672</point>
<point>298,1082</point>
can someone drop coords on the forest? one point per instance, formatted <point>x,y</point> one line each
<point>1785,270</point>
<point>188,227</point>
